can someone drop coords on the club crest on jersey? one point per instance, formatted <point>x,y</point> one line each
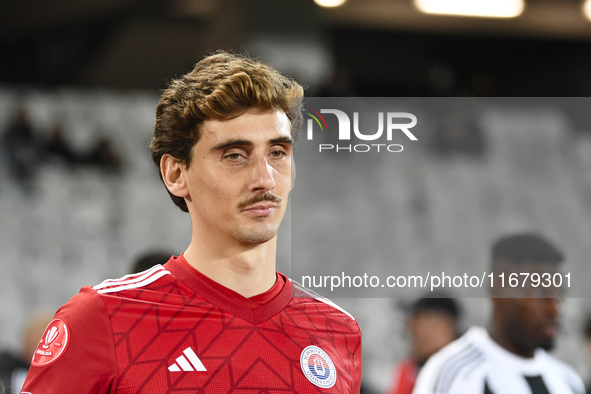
<point>318,367</point>
<point>53,343</point>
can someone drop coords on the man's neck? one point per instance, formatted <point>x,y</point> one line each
<point>247,270</point>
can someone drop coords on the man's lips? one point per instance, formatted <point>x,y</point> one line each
<point>261,209</point>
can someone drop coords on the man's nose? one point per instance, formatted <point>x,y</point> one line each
<point>262,176</point>
<point>553,306</point>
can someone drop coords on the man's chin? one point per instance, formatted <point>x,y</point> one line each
<point>548,345</point>
<point>257,236</point>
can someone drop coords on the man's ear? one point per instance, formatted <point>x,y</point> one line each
<point>172,175</point>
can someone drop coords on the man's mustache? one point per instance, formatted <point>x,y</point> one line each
<point>260,197</point>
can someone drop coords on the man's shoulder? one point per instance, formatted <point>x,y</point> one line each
<point>554,362</point>
<point>564,371</point>
<point>464,359</point>
<point>472,362</point>
<point>149,279</point>
<point>468,346</point>
<point>92,299</point>
<point>315,306</point>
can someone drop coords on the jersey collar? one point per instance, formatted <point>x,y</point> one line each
<point>226,299</point>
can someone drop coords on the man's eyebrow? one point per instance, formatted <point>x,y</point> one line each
<point>281,140</point>
<point>231,143</point>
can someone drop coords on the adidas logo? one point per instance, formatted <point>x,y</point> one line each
<point>189,363</point>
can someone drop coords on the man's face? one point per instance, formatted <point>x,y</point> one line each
<point>533,322</point>
<point>239,177</point>
<point>430,331</point>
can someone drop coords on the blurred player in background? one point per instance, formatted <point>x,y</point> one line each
<point>21,145</point>
<point>218,318</point>
<point>14,368</point>
<point>148,260</point>
<point>510,356</point>
<point>431,325</point>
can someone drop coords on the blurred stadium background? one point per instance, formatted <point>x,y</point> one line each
<point>96,68</point>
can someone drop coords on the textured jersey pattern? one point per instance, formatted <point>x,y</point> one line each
<point>157,323</point>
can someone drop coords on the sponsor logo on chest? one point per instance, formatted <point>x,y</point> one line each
<point>318,367</point>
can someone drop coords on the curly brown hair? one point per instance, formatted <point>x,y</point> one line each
<point>222,86</point>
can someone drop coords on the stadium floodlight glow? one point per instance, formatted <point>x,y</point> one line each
<point>330,3</point>
<point>587,9</point>
<point>476,8</point>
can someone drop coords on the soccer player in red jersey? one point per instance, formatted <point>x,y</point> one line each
<point>218,318</point>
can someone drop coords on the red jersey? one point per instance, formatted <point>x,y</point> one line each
<point>405,376</point>
<point>170,329</point>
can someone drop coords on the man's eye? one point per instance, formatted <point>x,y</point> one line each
<point>277,153</point>
<point>233,156</point>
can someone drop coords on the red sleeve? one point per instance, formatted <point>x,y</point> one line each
<point>76,353</point>
<point>357,356</point>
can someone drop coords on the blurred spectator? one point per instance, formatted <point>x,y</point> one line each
<point>58,148</point>
<point>432,324</point>
<point>148,260</point>
<point>21,148</point>
<point>14,368</point>
<point>103,156</point>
